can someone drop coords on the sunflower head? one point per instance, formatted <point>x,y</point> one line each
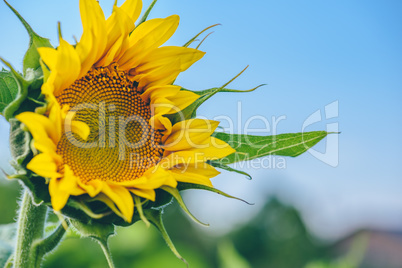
<point>104,143</point>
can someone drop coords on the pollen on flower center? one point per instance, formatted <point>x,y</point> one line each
<point>121,145</point>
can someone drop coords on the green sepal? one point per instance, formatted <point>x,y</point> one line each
<point>8,89</point>
<point>22,92</point>
<point>138,205</point>
<point>93,229</point>
<point>37,187</point>
<point>187,186</point>
<point>19,144</point>
<point>250,147</point>
<point>83,208</point>
<point>31,58</point>
<point>191,110</point>
<point>176,194</point>
<point>189,42</point>
<point>155,217</point>
<point>7,242</point>
<point>21,152</point>
<point>146,13</point>
<point>212,90</point>
<point>220,165</point>
<point>162,200</point>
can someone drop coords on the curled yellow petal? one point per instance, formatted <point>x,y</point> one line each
<point>44,165</point>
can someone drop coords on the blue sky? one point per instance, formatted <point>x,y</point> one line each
<point>310,54</point>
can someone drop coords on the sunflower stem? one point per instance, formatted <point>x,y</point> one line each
<point>31,223</point>
<point>106,251</point>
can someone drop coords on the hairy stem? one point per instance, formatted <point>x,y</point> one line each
<point>106,251</point>
<point>31,222</point>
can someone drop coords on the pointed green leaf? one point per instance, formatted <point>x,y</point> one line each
<point>175,193</point>
<point>8,89</point>
<point>218,164</point>
<point>31,58</point>
<point>249,147</point>
<point>186,186</point>
<point>155,217</point>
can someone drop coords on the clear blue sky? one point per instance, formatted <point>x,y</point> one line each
<point>310,53</point>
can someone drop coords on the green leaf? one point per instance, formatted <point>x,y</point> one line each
<point>186,186</point>
<point>218,164</point>
<point>31,58</point>
<point>8,89</point>
<point>175,193</point>
<point>249,147</point>
<point>155,217</point>
<point>7,241</point>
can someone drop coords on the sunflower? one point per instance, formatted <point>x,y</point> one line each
<point>105,132</point>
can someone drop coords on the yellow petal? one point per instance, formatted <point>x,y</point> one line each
<point>65,64</point>
<point>215,150</point>
<point>40,127</point>
<point>183,99</point>
<point>132,8</point>
<point>81,129</point>
<point>92,44</point>
<point>118,26</point>
<point>93,187</point>
<point>122,198</point>
<point>44,165</point>
<point>163,75</point>
<point>199,173</point>
<point>58,198</point>
<point>153,178</point>
<point>163,56</point>
<point>160,91</point>
<point>192,133</point>
<point>161,123</point>
<point>148,194</point>
<point>146,37</point>
<point>60,189</point>
<point>49,56</point>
